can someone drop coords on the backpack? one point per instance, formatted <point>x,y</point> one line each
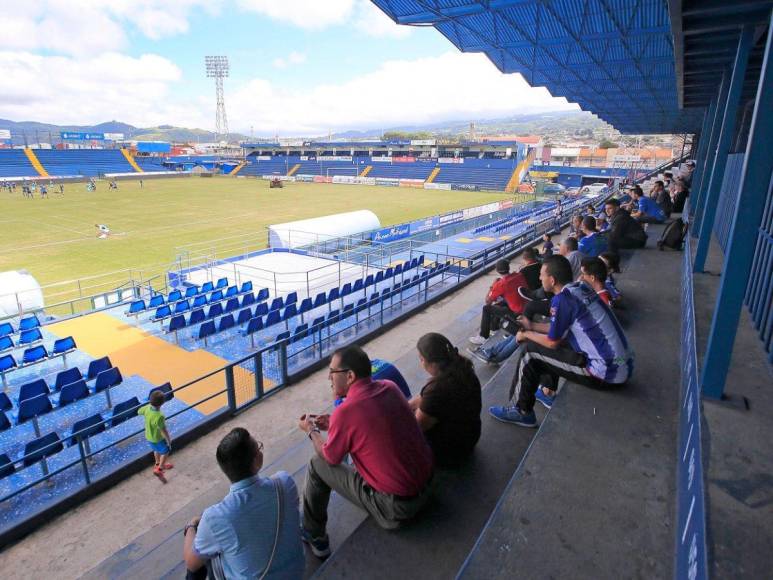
<point>673,235</point>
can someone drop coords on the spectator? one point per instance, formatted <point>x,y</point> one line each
<point>679,195</point>
<point>569,250</point>
<point>612,262</point>
<point>689,167</point>
<point>583,342</point>
<point>624,231</point>
<point>547,246</point>
<point>254,531</point>
<point>530,268</point>
<point>593,243</point>
<point>662,197</point>
<point>156,433</point>
<point>646,209</point>
<point>575,227</point>
<point>377,429</point>
<point>593,271</point>
<point>502,301</point>
<point>448,408</point>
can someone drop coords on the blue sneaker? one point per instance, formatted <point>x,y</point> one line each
<point>320,547</point>
<point>546,400</point>
<point>513,414</point>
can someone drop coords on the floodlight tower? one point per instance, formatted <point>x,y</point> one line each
<point>217,68</point>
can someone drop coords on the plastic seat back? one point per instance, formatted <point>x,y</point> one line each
<point>5,402</point>
<point>156,301</point>
<point>300,331</point>
<point>29,322</point>
<point>320,300</point>
<point>305,305</point>
<point>369,280</point>
<point>6,328</point>
<point>33,389</point>
<point>5,423</point>
<point>136,307</point>
<point>34,354</point>
<point>277,303</point>
<point>248,299</point>
<point>181,306</point>
<point>73,392</point>
<point>346,289</point>
<point>106,379</point>
<point>246,287</point>
<point>222,283</point>
<point>207,287</point>
<point>215,310</point>
<point>176,323</point>
<point>63,346</point>
<point>162,312</point>
<point>292,298</point>
<point>262,294</point>
<point>97,366</point>
<point>231,291</point>
<point>261,309</point>
<point>216,296</point>
<point>232,304</point>
<point>66,377</point>
<point>196,317</point>
<point>398,269</point>
<point>124,411</point>
<point>226,322</point>
<point>333,316</point>
<point>289,312</point>
<point>274,317</point>
<point>334,294</point>
<point>254,325</point>
<point>174,296</point>
<point>86,428</point>
<point>6,343</point>
<point>389,272</point>
<point>282,336</point>
<point>358,285</point>
<point>33,407</point>
<point>30,336</point>
<point>206,329</point>
<point>199,301</point>
<point>379,276</point>
<point>191,291</point>
<point>318,322</point>
<point>6,466</point>
<point>166,389</point>
<point>41,447</point>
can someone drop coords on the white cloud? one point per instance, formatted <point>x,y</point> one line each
<point>451,86</point>
<point>369,20</point>
<point>294,58</point>
<point>309,14</point>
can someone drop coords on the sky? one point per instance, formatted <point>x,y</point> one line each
<point>297,67</point>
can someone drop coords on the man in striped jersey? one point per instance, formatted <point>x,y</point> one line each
<point>583,342</point>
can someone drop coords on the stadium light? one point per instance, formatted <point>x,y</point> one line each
<point>217,67</point>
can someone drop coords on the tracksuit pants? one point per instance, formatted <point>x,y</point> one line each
<point>492,314</point>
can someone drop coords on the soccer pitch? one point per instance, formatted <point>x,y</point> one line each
<point>55,238</point>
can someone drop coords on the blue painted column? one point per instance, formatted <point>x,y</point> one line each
<point>699,193</point>
<point>705,220</point>
<point>703,147</point>
<point>752,196</point>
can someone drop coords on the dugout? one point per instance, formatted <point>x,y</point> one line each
<point>20,293</point>
<point>309,231</point>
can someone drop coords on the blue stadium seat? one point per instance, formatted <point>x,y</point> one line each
<point>358,285</point>
<point>231,291</point>
<point>254,325</point>
<point>6,328</point>
<point>289,312</point>
<point>86,428</point>
<point>106,379</point>
<point>73,392</point>
<point>33,389</point>
<point>124,411</point>
<point>5,423</point>
<point>63,346</point>
<point>318,323</point>
<point>320,300</point>
<point>181,307</point>
<point>156,301</point>
<point>277,303</point>
<point>333,316</point>
<point>206,329</point>
<point>231,305</point>
<point>282,336</point>
<point>5,402</point>
<point>44,446</point>
<point>30,336</point>
<point>300,332</point>
<point>274,317</point>
<point>174,296</point>
<point>248,299</point>
<point>398,269</point>
<point>196,317</point>
<point>362,304</point>
<point>348,311</point>
<point>292,298</point>
<point>66,377</point>
<point>207,287</point>
<point>262,295</point>
<point>29,322</point>
<point>379,276</point>
<point>177,323</point>
<point>226,322</point>
<point>162,313</point>
<point>244,316</point>
<point>166,389</point>
<point>334,294</point>
<point>6,466</point>
<point>216,296</point>
<point>34,355</point>
<point>305,306</point>
<point>346,289</point>
<point>191,291</point>
<point>200,301</point>
<point>222,283</point>
<point>31,408</point>
<point>246,287</point>
<point>136,307</point>
<point>97,366</point>
<point>6,343</point>
<point>389,273</point>
<point>215,310</point>
<point>261,309</point>
<point>368,280</point>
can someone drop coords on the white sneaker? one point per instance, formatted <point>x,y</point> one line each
<point>477,340</point>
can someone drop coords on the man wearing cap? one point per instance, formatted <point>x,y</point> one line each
<point>502,300</point>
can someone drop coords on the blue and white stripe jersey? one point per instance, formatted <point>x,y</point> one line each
<point>578,315</point>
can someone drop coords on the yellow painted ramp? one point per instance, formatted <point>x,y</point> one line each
<point>35,162</point>
<point>136,352</point>
<point>130,159</point>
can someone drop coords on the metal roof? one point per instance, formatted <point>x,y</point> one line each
<point>614,58</point>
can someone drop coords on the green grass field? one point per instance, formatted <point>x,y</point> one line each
<point>55,239</point>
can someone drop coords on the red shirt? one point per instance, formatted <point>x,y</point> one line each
<point>376,427</point>
<point>605,296</point>
<point>507,288</point>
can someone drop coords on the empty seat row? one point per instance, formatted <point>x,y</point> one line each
<point>26,338</point>
<point>183,304</point>
<point>26,323</point>
<point>37,354</point>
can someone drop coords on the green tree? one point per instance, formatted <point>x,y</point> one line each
<point>607,144</point>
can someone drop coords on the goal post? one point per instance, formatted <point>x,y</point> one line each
<point>353,171</point>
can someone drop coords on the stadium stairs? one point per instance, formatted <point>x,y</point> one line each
<point>519,171</point>
<point>130,160</point>
<point>433,175</point>
<point>295,168</point>
<point>35,162</point>
<point>593,487</point>
<point>365,171</point>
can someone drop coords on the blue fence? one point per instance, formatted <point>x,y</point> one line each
<point>728,197</point>
<point>691,560</point>
<point>759,292</point>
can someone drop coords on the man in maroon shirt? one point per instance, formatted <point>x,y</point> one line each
<point>502,301</point>
<point>375,426</point>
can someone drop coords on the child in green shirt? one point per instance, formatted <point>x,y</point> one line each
<point>156,433</point>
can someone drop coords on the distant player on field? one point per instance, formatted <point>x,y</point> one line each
<point>103,232</point>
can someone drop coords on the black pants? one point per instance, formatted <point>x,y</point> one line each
<point>492,314</point>
<point>538,363</point>
<point>626,243</point>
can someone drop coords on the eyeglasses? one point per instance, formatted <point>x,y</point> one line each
<point>260,445</point>
<point>334,371</point>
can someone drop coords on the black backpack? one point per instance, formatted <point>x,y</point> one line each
<point>673,235</point>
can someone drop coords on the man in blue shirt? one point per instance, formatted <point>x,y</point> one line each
<point>583,342</point>
<point>646,209</point>
<point>592,243</point>
<point>255,531</point>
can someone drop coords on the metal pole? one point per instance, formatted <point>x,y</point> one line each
<point>259,375</point>
<point>84,463</point>
<point>229,388</point>
<point>706,220</point>
<point>754,188</point>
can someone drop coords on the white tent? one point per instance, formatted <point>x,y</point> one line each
<point>303,232</point>
<point>19,287</point>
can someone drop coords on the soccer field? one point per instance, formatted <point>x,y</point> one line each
<point>55,239</point>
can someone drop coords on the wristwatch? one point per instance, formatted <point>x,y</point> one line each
<point>188,527</point>
<point>313,430</point>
